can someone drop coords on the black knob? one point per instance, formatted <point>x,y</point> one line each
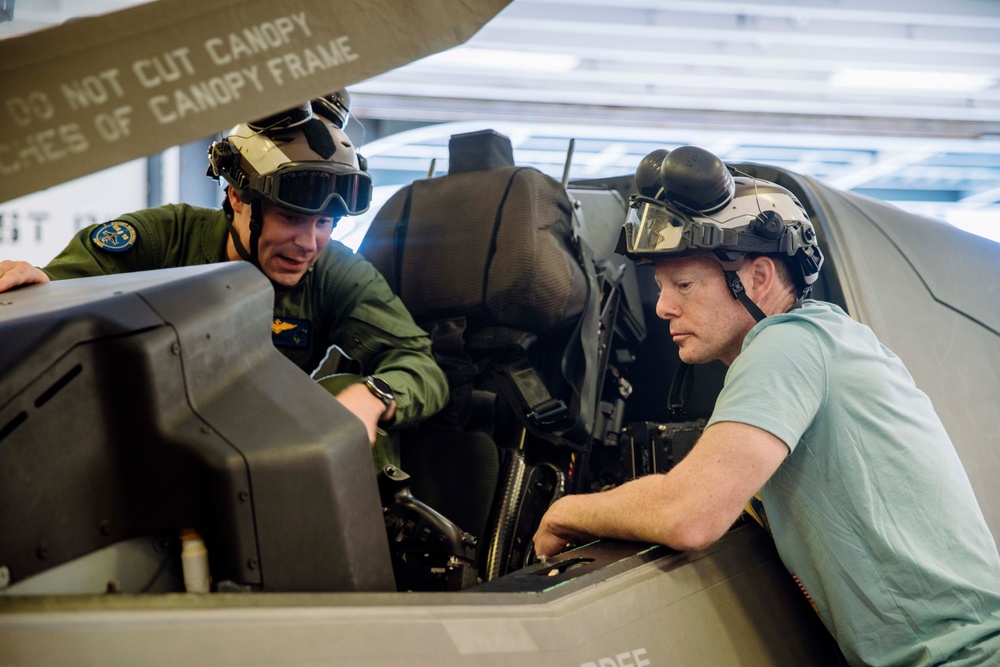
<point>769,225</point>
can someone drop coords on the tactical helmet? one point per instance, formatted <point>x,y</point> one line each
<point>690,201</point>
<point>296,161</point>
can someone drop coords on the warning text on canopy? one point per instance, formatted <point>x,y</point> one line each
<point>61,119</point>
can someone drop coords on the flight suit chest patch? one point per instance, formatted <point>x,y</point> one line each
<point>287,332</point>
<point>114,236</point>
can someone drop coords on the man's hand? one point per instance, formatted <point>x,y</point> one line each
<point>14,274</point>
<point>554,534</point>
<point>365,407</point>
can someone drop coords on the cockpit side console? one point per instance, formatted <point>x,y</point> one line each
<point>155,402</point>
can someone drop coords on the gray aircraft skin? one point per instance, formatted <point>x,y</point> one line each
<point>142,354</point>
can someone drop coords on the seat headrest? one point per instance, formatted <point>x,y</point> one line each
<point>479,151</point>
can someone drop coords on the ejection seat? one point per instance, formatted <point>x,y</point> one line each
<point>532,317</point>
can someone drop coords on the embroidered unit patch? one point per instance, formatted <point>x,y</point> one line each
<point>114,236</point>
<point>286,332</point>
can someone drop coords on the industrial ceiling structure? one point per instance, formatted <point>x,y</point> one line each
<point>898,100</point>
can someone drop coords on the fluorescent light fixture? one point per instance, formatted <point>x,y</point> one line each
<point>503,60</point>
<point>911,80</point>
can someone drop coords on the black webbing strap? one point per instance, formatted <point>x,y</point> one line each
<point>399,243</point>
<point>680,390</point>
<point>520,385</point>
<point>580,363</point>
<point>739,292</point>
<point>543,409</point>
<point>680,386</point>
<point>515,375</point>
<point>495,233</point>
<point>448,346</point>
<point>256,222</point>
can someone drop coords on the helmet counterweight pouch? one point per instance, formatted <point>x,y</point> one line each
<point>491,255</point>
<point>495,247</point>
<point>489,240</point>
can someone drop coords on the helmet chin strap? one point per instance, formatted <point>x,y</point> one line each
<point>740,293</point>
<point>680,386</point>
<point>736,287</point>
<point>256,222</point>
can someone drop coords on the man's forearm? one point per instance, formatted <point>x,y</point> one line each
<point>637,511</point>
<point>688,508</point>
<point>419,384</point>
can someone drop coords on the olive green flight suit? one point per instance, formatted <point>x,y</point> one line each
<point>342,301</point>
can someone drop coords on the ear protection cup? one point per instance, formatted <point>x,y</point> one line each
<point>696,180</point>
<point>647,174</point>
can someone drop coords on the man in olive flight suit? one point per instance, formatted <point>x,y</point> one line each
<point>291,177</point>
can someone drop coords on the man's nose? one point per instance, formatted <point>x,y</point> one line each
<point>665,310</point>
<point>308,238</point>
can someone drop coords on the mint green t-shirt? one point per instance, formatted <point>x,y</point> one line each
<point>872,510</point>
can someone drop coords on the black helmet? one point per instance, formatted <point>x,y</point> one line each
<point>690,201</point>
<point>296,161</point>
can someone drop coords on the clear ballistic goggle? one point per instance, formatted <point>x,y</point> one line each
<point>653,228</point>
<point>317,188</point>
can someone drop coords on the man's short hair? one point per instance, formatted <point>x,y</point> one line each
<point>788,273</point>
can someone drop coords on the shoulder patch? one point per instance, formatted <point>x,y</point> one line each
<point>114,236</point>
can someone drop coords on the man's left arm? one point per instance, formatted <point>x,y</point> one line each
<point>367,407</point>
<point>396,350</point>
<point>377,330</point>
<point>688,508</point>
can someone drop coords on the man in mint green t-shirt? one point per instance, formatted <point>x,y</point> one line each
<point>871,491</point>
<point>861,487</point>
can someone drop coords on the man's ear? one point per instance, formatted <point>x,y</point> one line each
<point>235,201</point>
<point>763,274</point>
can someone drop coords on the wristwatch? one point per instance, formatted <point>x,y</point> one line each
<point>381,390</point>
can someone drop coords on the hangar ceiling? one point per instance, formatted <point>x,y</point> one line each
<point>899,100</point>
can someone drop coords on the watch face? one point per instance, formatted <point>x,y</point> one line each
<point>381,389</point>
